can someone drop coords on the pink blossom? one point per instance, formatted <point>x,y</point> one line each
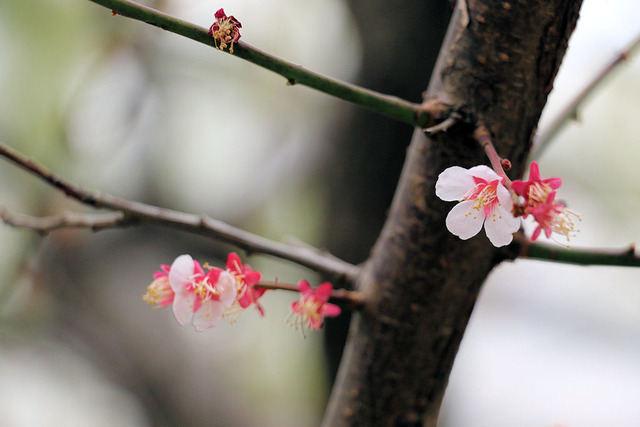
<point>225,30</point>
<point>245,279</point>
<point>553,217</point>
<point>535,190</point>
<point>539,202</point>
<point>484,200</point>
<point>159,292</point>
<point>312,307</point>
<point>200,298</point>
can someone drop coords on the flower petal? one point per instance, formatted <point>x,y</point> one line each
<point>305,288</point>
<point>454,183</point>
<point>330,310</point>
<point>234,264</point>
<point>183,304</point>
<point>484,172</point>
<point>323,292</point>
<point>500,226</point>
<point>181,272</point>
<point>226,286</point>
<point>464,221</point>
<point>208,315</point>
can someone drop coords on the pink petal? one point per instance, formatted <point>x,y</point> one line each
<point>330,310</point>
<point>296,307</point>
<point>305,288</point>
<point>534,172</point>
<point>226,285</point>
<point>208,315</point>
<point>323,292</point>
<point>464,221</point>
<point>234,264</point>
<point>453,184</point>
<point>252,277</point>
<point>183,307</point>
<point>181,272</point>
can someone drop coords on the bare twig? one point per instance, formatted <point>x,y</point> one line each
<point>390,106</point>
<point>445,125</point>
<point>544,136</point>
<point>522,247</point>
<point>44,225</point>
<point>352,298</point>
<point>134,213</point>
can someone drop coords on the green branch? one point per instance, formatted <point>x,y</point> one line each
<point>528,249</point>
<point>415,114</point>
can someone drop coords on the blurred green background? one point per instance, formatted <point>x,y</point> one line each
<point>121,107</point>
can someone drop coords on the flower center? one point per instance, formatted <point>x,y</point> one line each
<point>564,222</point>
<point>205,290</point>
<point>311,309</point>
<point>538,193</point>
<point>159,292</point>
<point>485,195</point>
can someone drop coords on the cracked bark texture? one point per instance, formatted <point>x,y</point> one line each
<point>498,63</point>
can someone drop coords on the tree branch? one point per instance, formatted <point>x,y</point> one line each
<point>135,213</point>
<point>544,137</point>
<point>352,299</point>
<point>525,248</point>
<point>415,114</point>
<point>67,220</point>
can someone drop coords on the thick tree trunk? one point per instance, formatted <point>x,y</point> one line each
<point>498,62</point>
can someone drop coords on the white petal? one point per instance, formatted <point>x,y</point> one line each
<point>183,307</point>
<point>464,221</point>
<point>500,226</point>
<point>181,271</point>
<point>454,183</point>
<point>208,315</point>
<point>484,172</point>
<point>226,285</point>
<point>504,197</point>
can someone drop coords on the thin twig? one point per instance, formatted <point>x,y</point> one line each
<point>390,106</point>
<point>443,126</point>
<point>67,220</point>
<point>136,213</point>
<point>352,298</point>
<point>544,136</point>
<point>525,248</point>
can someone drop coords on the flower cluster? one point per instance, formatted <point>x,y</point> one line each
<point>225,30</point>
<point>203,295</point>
<point>484,200</point>
<point>540,202</point>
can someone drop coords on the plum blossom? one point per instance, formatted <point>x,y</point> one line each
<point>159,292</point>
<point>245,280</point>
<point>534,190</point>
<point>312,307</point>
<point>483,200</point>
<point>540,202</point>
<point>200,298</point>
<point>225,30</point>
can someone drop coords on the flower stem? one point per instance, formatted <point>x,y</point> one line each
<point>352,298</point>
<point>408,112</point>
<point>135,213</point>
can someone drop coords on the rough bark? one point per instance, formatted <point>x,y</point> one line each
<point>367,151</point>
<point>498,62</point>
